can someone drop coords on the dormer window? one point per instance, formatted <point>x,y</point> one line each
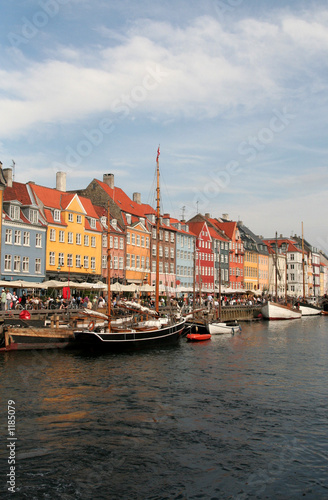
<point>114,223</point>
<point>128,218</point>
<point>57,215</point>
<point>93,223</point>
<point>103,220</point>
<point>14,212</point>
<point>33,216</point>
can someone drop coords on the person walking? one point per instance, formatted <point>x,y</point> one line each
<point>9,299</point>
<point>3,300</point>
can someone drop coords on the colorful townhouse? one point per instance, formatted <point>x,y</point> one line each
<point>139,220</point>
<point>205,265</point>
<point>184,253</point>
<point>74,233</point>
<point>236,251</point>
<point>23,234</point>
<point>115,249</point>
<point>256,260</point>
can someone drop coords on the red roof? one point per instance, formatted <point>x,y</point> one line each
<point>18,192</point>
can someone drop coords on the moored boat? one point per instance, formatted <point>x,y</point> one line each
<point>145,334</point>
<point>219,328</point>
<point>276,311</point>
<point>198,337</point>
<point>309,309</point>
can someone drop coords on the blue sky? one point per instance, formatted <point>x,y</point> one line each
<point>234,91</point>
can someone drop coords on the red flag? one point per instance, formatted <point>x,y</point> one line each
<point>158,153</point>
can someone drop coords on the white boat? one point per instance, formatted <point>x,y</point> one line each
<point>273,310</point>
<point>309,309</point>
<point>221,328</point>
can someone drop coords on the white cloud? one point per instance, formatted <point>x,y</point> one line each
<point>207,69</point>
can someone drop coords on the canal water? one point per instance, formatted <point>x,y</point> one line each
<point>236,417</point>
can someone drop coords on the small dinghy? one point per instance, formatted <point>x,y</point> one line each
<point>198,337</point>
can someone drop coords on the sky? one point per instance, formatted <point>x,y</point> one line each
<point>233,91</point>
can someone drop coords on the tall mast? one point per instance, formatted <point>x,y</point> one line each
<point>220,305</point>
<point>276,269</point>
<point>157,235</point>
<point>194,278</point>
<point>303,264</point>
<point>108,267</point>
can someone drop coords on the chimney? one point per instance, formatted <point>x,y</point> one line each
<point>109,180</point>
<point>8,175</point>
<point>61,181</point>
<point>137,198</point>
<point>225,216</point>
<point>207,216</point>
<point>240,223</point>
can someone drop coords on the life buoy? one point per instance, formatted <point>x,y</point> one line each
<point>91,326</point>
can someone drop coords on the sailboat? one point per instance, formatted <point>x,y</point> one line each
<point>306,307</point>
<point>277,311</point>
<point>157,332</point>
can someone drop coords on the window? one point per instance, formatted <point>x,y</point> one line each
<point>143,241</point>
<point>121,263</point>
<point>154,251</point>
<point>104,262</point>
<point>104,240</point>
<point>69,260</point>
<point>70,217</point>
<point>115,262</point>
<point>78,239</point>
<point>9,236</point>
<point>127,263</point>
<point>116,242</point>
<point>133,261</point>
<point>8,262</point>
<point>93,223</point>
<point>78,261</point>
<point>61,236</point>
<point>69,237</point>
<point>38,240</point>
<point>79,219</point>
<point>26,238</point>
<point>33,216</point>
<point>147,242</point>
<point>138,262</point>
<point>142,262</point>
<point>86,240</point>
<point>61,262</point>
<point>86,262</point>
<point>93,241</point>
<point>51,258</point>
<point>57,215</point>
<point>93,263</point>
<point>17,261</point>
<point>52,235</point>
<point>37,266</point>
<point>25,265</point>
<point>14,212</point>
<point>138,240</point>
<point>133,239</point>
<point>18,237</point>
<point>121,243</point>
<point>167,235</point>
<point>128,238</point>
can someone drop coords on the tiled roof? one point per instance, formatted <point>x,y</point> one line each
<point>18,192</point>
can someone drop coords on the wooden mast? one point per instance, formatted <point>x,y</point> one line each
<point>303,264</point>
<point>108,267</point>
<point>276,268</point>
<point>194,279</point>
<point>157,235</point>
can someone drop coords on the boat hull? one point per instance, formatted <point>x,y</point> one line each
<point>309,310</point>
<point>42,338</point>
<point>129,340</point>
<point>198,337</point>
<point>274,311</point>
<point>222,328</point>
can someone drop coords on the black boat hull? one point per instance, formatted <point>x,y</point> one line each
<point>128,341</point>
